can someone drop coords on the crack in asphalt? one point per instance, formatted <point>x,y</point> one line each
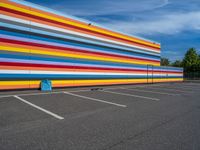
<point>149,129</point>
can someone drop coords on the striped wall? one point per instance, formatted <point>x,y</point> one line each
<point>37,43</point>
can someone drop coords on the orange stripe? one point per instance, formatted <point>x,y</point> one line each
<point>81,23</point>
<point>72,29</point>
<point>75,70</point>
<point>30,48</point>
<point>37,85</point>
<point>61,69</point>
<point>10,87</point>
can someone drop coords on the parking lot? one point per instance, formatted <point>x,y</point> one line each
<point>163,116</point>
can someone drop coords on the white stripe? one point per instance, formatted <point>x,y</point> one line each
<point>75,73</point>
<point>94,99</point>
<point>72,32</point>
<point>84,40</point>
<point>63,64</point>
<point>40,108</point>
<point>125,94</point>
<point>76,18</point>
<point>65,73</point>
<point>150,91</point>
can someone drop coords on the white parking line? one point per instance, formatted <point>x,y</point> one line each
<point>138,96</point>
<point>61,91</point>
<point>184,88</point>
<point>181,87</point>
<point>46,93</point>
<point>167,89</point>
<point>149,91</point>
<point>94,99</point>
<point>154,85</point>
<point>190,86</point>
<point>40,108</point>
<point>187,84</point>
<point>149,85</point>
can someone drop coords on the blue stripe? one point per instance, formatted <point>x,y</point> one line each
<point>100,47</point>
<point>74,76</point>
<point>22,57</point>
<point>73,17</point>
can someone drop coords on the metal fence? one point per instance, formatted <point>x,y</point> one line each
<point>192,75</point>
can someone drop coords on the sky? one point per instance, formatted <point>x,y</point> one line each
<point>173,23</point>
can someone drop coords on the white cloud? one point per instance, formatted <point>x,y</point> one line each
<point>104,7</point>
<point>164,21</point>
<point>168,24</point>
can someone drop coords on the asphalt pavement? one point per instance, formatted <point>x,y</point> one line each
<point>163,116</point>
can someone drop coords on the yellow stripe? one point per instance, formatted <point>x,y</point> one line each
<point>76,55</point>
<point>79,25</point>
<point>2,83</point>
<point>168,79</point>
<point>54,82</point>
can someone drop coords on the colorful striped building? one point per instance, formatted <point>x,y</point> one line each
<point>38,43</point>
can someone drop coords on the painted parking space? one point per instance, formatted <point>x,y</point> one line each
<point>60,103</point>
<point>131,95</point>
<point>39,108</point>
<point>141,95</point>
<point>188,84</point>
<point>150,91</point>
<point>64,104</point>
<point>13,112</point>
<point>104,114</point>
<point>182,87</point>
<point>129,100</point>
<point>95,99</point>
<point>167,89</point>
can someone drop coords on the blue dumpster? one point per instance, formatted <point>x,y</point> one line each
<point>46,85</point>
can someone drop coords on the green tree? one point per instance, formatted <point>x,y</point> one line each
<point>191,60</point>
<point>165,62</point>
<point>177,63</point>
<point>199,64</point>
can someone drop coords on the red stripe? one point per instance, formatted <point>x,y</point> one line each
<point>69,49</point>
<point>76,67</point>
<point>64,24</point>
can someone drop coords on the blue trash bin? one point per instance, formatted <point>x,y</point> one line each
<point>46,85</point>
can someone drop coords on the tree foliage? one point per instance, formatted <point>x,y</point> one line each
<point>191,60</point>
<point>165,62</point>
<point>190,63</point>
<point>177,63</point>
